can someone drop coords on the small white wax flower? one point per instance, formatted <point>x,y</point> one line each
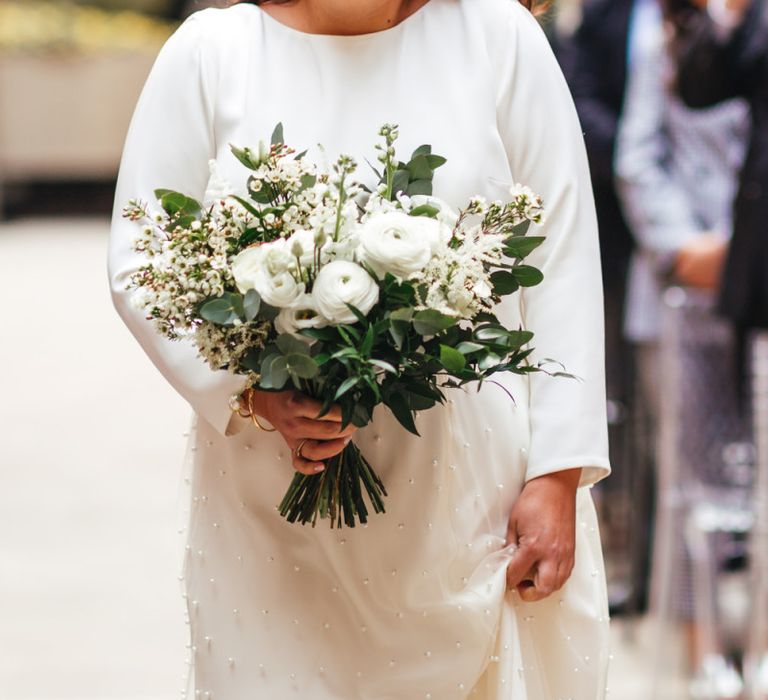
<point>481,289</point>
<point>340,283</point>
<point>518,190</point>
<point>400,244</point>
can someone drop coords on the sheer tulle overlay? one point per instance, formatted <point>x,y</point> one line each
<point>413,605</point>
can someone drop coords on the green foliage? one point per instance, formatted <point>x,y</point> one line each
<point>527,276</point>
<point>225,310</point>
<point>181,209</point>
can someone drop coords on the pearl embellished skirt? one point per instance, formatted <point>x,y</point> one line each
<point>411,606</point>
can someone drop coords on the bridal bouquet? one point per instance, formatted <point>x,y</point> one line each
<point>352,295</point>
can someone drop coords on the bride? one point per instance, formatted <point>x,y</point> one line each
<point>484,578</point>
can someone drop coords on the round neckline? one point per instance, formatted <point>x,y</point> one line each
<point>342,37</point>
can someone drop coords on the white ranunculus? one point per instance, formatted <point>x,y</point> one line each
<point>267,269</point>
<point>399,244</point>
<point>340,283</point>
<point>302,313</point>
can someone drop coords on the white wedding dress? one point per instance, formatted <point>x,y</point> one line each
<point>413,606</point>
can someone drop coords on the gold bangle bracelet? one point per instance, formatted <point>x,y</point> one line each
<point>253,415</point>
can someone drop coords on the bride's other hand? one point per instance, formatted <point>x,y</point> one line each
<point>542,526</point>
<point>295,417</point>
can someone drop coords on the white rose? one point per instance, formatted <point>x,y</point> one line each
<point>302,313</point>
<point>399,244</point>
<point>266,268</point>
<point>340,283</point>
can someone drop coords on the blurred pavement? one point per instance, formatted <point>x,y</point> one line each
<point>91,445</point>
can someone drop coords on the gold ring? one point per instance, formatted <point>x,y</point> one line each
<point>298,449</point>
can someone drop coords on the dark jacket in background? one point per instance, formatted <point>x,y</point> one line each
<point>594,61</point>
<point>712,70</point>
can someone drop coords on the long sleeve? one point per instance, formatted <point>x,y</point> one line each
<point>545,148</point>
<point>169,144</point>
<point>656,205</point>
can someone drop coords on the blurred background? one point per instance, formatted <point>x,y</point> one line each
<point>672,96</point>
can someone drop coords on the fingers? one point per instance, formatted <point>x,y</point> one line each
<point>319,429</point>
<point>536,577</point>
<point>544,582</point>
<point>316,450</point>
<point>305,407</point>
<point>301,462</point>
<point>519,569</point>
<point>312,453</point>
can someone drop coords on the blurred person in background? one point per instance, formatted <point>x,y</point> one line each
<point>677,171</point>
<point>724,54</point>
<point>594,60</point>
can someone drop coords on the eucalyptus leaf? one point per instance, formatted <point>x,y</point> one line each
<point>431,322</point>
<point>504,282</point>
<point>291,345</point>
<point>300,365</point>
<point>522,246</point>
<point>277,135</point>
<point>307,180</point>
<point>436,161</point>
<point>251,361</point>
<point>519,338</point>
<point>527,276</point>
<point>251,304</point>
<point>178,204</point>
<point>423,186</point>
<point>398,330</point>
<point>400,182</point>
<point>424,149</point>
<point>223,310</point>
<point>418,168</point>
<point>522,228</point>
<point>274,373</point>
<point>429,210</point>
<point>404,314</point>
<point>269,313</point>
